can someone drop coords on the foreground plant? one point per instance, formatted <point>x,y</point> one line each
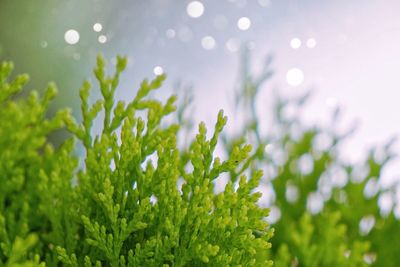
<point>133,199</point>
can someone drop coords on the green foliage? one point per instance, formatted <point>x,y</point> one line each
<point>329,209</point>
<point>133,199</point>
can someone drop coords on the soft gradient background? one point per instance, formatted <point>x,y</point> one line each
<point>347,51</point>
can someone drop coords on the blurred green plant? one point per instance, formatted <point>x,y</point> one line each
<point>326,211</point>
<point>137,200</point>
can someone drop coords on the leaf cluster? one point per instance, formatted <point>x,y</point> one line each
<point>133,198</point>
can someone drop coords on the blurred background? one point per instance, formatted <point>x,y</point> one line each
<point>346,52</point>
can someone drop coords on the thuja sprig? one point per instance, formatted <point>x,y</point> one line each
<point>131,210</point>
<point>134,201</point>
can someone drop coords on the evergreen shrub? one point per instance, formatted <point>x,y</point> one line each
<point>133,199</point>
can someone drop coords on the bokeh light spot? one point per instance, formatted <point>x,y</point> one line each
<point>195,9</point>
<point>208,43</point>
<point>295,43</point>
<point>43,44</point>
<point>102,39</point>
<point>71,37</point>
<point>233,45</point>
<point>244,23</point>
<point>97,27</point>
<point>158,70</point>
<point>295,77</point>
<point>311,43</point>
